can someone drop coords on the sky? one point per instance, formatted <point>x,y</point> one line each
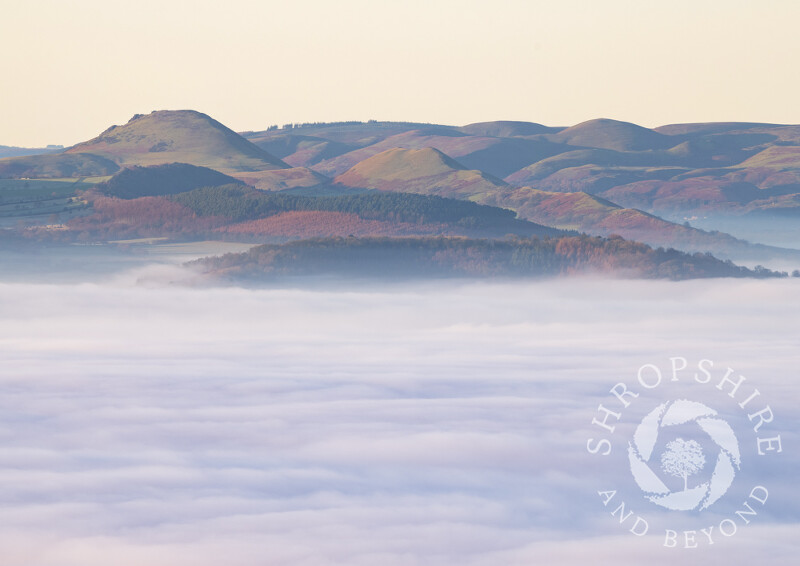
<point>71,69</point>
<point>440,423</point>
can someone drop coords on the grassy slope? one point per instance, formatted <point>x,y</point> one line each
<point>425,171</point>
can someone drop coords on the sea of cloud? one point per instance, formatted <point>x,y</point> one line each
<point>423,424</point>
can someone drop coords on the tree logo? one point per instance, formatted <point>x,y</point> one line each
<point>683,458</point>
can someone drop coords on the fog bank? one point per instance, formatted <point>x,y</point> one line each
<point>440,423</point>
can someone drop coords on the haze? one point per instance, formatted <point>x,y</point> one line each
<point>71,69</point>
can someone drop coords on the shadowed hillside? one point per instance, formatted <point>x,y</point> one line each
<point>159,180</point>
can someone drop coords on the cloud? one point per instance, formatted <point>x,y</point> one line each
<point>432,424</point>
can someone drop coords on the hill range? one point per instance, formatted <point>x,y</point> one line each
<point>602,177</point>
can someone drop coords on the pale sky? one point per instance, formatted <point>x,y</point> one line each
<point>71,69</point>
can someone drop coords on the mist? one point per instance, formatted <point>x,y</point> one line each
<point>145,422</point>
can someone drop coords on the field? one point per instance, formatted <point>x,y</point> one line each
<point>26,190</point>
<point>33,199</point>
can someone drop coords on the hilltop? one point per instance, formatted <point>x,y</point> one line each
<point>613,134</point>
<point>178,136</point>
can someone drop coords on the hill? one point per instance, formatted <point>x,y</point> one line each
<point>695,129</point>
<point>56,165</point>
<point>180,136</point>
<point>741,176</point>
<point>507,129</point>
<point>597,216</point>
<point>296,178</point>
<point>426,171</point>
<point>242,212</point>
<point>12,151</point>
<point>158,180</point>
<point>493,155</point>
<point>429,171</point>
<point>409,258</point>
<point>300,150</point>
<point>612,134</point>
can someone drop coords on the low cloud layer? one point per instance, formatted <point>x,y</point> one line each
<point>433,424</point>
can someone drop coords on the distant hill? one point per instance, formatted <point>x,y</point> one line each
<point>707,128</point>
<point>56,165</point>
<point>597,216</point>
<point>11,151</point>
<point>409,258</point>
<point>613,134</point>
<point>300,150</point>
<point>295,178</point>
<point>507,129</point>
<point>493,155</point>
<point>427,171</point>
<point>180,136</point>
<point>160,180</point>
<point>354,134</point>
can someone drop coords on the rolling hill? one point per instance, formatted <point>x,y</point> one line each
<point>159,180</point>
<point>507,129</point>
<point>426,171</point>
<point>300,150</point>
<point>493,155</point>
<point>644,178</point>
<point>603,133</point>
